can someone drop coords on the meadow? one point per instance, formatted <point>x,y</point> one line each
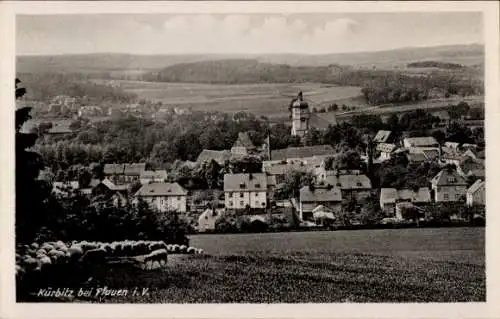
<point>392,265</point>
<point>264,99</point>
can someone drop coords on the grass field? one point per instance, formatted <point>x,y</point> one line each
<point>270,100</point>
<point>399,265</point>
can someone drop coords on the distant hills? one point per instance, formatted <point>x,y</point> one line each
<point>114,63</point>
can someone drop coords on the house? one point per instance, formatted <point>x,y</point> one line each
<point>426,141</point>
<point>153,176</point>
<point>279,171</point>
<point>220,157</point>
<point>383,137</point>
<point>164,196</point>
<point>302,153</point>
<point>469,166</point>
<point>476,194</point>
<point>386,150</point>
<point>243,145</point>
<point>452,145</point>
<point>311,197</point>
<point>208,219</point>
<point>391,197</point>
<point>64,188</point>
<point>448,186</point>
<point>124,173</point>
<point>352,184</point>
<point>245,190</point>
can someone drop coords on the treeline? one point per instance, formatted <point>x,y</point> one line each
<point>435,64</point>
<point>45,86</point>
<point>379,86</point>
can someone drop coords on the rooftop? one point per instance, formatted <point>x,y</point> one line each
<point>320,194</point>
<point>420,141</point>
<point>391,195</point>
<point>245,182</point>
<point>448,177</point>
<point>382,136</point>
<point>161,189</point>
<point>302,152</point>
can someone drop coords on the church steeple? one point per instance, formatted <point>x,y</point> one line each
<point>300,116</point>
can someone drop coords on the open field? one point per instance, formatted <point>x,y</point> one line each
<point>270,100</point>
<point>398,265</point>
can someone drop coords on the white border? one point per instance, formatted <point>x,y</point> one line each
<point>8,307</point>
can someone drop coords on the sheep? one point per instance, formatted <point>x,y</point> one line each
<point>35,246</point>
<point>183,249</point>
<point>74,253</point>
<point>176,248</point>
<point>155,245</point>
<point>169,248</point>
<point>191,250</point>
<point>159,255</point>
<point>140,248</point>
<point>94,256</point>
<point>59,244</point>
<point>199,251</point>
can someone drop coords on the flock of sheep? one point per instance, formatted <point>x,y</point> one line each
<point>38,257</point>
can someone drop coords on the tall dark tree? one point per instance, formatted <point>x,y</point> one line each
<point>31,193</point>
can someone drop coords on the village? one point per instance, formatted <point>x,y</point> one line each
<point>328,194</point>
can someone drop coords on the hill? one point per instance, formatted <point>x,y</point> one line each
<point>117,63</point>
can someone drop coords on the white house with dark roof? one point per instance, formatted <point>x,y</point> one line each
<point>391,197</point>
<point>476,194</point>
<point>448,186</point>
<point>312,197</point>
<point>245,190</point>
<point>355,185</point>
<point>164,196</point>
<point>386,150</point>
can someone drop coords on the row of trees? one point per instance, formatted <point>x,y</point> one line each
<point>45,86</point>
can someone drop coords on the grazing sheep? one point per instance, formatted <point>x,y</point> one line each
<point>74,253</point>
<point>199,251</point>
<point>59,244</point>
<point>94,256</point>
<point>155,245</point>
<point>159,255</point>
<point>191,250</point>
<point>176,248</point>
<point>140,248</point>
<point>183,249</point>
<point>170,248</point>
<point>35,246</point>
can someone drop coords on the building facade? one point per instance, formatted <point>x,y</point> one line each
<point>245,191</point>
<point>449,186</point>
<point>164,196</point>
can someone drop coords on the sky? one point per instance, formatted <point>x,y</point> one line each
<point>243,33</point>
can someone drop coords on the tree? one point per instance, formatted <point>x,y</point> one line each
<point>31,212</point>
<point>458,111</point>
<point>350,160</point>
<point>458,132</point>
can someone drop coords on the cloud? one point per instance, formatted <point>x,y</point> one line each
<point>237,33</point>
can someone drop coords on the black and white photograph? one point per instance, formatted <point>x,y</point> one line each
<point>250,157</point>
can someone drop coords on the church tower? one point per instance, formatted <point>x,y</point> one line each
<point>300,116</point>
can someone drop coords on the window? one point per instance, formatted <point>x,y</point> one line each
<point>230,203</point>
<point>445,196</point>
<point>230,195</point>
<point>242,195</point>
<point>257,185</point>
<point>178,198</point>
<point>303,119</point>
<point>241,203</point>
<point>457,197</point>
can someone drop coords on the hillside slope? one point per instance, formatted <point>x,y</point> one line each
<point>462,54</point>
